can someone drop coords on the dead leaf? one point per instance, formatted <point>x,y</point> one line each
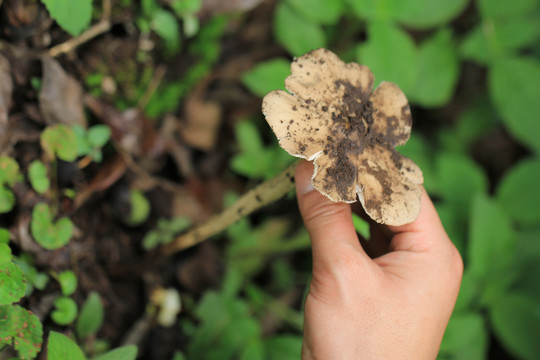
<point>6,89</point>
<point>202,121</point>
<point>61,96</point>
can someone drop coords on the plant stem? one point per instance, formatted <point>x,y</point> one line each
<point>264,194</point>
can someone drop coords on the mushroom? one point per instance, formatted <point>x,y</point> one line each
<point>331,116</point>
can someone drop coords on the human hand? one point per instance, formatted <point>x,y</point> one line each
<point>394,306</point>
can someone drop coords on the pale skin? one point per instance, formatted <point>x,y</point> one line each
<point>394,304</point>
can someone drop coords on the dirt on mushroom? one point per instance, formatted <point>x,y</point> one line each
<point>333,118</point>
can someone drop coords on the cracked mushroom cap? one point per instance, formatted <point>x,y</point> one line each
<point>331,116</point>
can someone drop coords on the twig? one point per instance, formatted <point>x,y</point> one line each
<point>260,196</point>
<point>101,27</point>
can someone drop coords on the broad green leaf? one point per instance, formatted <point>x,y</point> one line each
<point>418,150</point>
<point>68,282</point>
<point>460,179</point>
<point>7,200</point>
<point>391,54</point>
<point>98,135</point>
<point>91,316</point>
<point>492,248</point>
<point>468,292</point>
<point>49,235</point>
<point>65,311</point>
<point>496,9</point>
<point>375,10</point>
<point>515,320</point>
<point>475,46</point>
<point>4,236</point>
<point>37,174</point>
<point>59,140</point>
<point>424,14</point>
<point>518,192</point>
<point>319,11</point>
<point>22,330</point>
<point>128,352</point>
<point>473,123</point>
<point>164,24</point>
<point>297,34</point>
<point>493,39</point>
<point>72,16</point>
<point>438,69</point>
<point>12,281</point>
<point>62,347</point>
<point>9,171</point>
<point>140,208</point>
<point>183,7</point>
<point>283,347</point>
<point>267,76</point>
<point>514,85</point>
<point>466,337</point>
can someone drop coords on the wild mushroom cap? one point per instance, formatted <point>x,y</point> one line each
<point>332,117</point>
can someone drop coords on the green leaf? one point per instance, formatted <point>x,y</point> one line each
<point>128,352</point>
<point>495,39</point>
<point>391,54</point>
<point>267,76</point>
<point>361,226</point>
<point>49,235</point>
<point>98,135</point>
<point>4,236</point>
<point>418,150</point>
<point>68,282</point>
<point>37,173</point>
<point>518,192</point>
<point>183,7</point>
<point>9,171</point>
<point>164,24</point>
<point>496,9</point>
<point>475,46</point>
<point>7,200</point>
<point>376,10</point>
<point>65,311</point>
<point>22,330</point>
<point>12,279</point>
<point>165,232</point>
<point>515,320</point>
<point>460,180</point>
<point>514,85</point>
<point>438,69</point>
<point>59,140</point>
<point>140,208</point>
<point>72,16</point>
<point>283,347</point>
<point>424,14</point>
<point>492,248</point>
<point>91,316</point>
<point>62,347</point>
<point>466,337</point>
<point>318,11</point>
<point>297,34</point>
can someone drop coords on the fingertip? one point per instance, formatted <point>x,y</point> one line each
<point>427,219</point>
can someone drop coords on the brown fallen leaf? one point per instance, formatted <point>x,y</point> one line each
<point>61,96</point>
<point>6,88</point>
<point>202,119</point>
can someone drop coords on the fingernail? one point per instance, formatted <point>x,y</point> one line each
<point>307,187</point>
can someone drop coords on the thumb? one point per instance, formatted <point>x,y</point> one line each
<point>329,223</point>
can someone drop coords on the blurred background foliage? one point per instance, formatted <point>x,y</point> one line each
<point>471,71</point>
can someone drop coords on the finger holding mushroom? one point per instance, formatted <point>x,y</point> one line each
<point>331,117</point>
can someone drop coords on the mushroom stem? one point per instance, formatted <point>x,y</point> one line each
<point>262,195</point>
